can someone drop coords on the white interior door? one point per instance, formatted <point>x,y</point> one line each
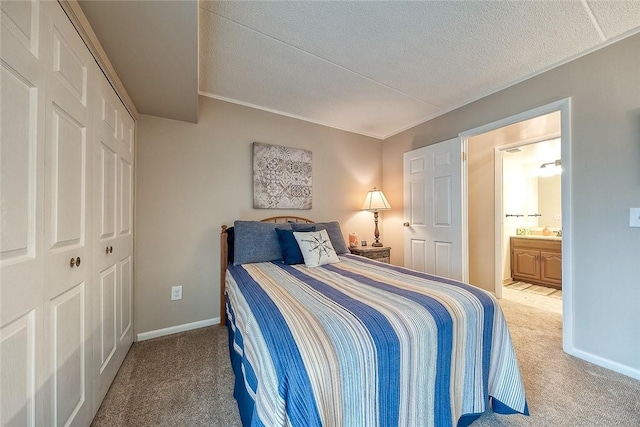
<point>68,181</point>
<point>22,291</point>
<point>112,303</point>
<point>433,209</point>
<point>105,296</point>
<point>51,240</point>
<point>126,140</point>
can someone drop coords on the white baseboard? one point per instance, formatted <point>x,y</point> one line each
<point>178,328</point>
<point>605,363</point>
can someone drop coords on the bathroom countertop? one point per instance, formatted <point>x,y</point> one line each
<point>539,237</point>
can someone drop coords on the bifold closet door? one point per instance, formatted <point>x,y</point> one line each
<point>46,218</point>
<point>126,138</point>
<point>68,235</point>
<point>112,296</point>
<point>22,292</point>
<point>66,200</point>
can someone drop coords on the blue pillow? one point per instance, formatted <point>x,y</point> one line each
<point>291,253</point>
<point>334,232</point>
<point>255,241</point>
<point>230,245</point>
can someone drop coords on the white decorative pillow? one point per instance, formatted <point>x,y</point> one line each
<point>316,248</point>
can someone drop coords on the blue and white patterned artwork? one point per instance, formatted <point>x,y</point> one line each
<point>281,177</point>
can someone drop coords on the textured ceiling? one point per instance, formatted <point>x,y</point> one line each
<point>370,67</point>
<point>377,68</point>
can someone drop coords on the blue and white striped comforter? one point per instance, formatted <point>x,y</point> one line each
<point>361,343</point>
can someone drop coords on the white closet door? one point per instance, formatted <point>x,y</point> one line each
<point>21,208</point>
<point>112,236</point>
<point>126,138</point>
<point>66,195</point>
<point>68,180</point>
<point>105,340</point>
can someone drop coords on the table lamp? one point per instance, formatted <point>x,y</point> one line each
<point>374,202</point>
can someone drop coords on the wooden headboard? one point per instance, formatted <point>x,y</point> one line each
<point>224,257</point>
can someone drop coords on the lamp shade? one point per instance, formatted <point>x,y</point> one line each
<point>375,201</point>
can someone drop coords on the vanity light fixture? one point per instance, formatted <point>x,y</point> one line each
<point>551,168</point>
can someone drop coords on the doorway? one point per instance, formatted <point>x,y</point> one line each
<point>529,222</point>
<point>482,218</point>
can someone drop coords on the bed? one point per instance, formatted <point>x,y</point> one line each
<point>358,342</point>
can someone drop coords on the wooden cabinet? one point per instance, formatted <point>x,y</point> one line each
<point>379,254</point>
<point>537,261</point>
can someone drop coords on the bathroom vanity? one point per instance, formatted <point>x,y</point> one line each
<point>537,259</point>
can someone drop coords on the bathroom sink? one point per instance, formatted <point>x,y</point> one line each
<point>539,236</point>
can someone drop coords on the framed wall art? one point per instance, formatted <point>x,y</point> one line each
<point>282,177</point>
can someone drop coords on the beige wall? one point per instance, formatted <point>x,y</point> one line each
<point>192,178</point>
<point>605,155</point>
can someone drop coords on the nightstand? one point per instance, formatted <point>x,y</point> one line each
<point>379,254</point>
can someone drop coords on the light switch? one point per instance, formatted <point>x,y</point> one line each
<point>634,217</point>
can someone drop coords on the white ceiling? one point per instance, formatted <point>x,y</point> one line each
<point>378,67</point>
<point>153,47</point>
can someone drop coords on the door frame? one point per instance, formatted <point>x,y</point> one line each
<point>564,106</point>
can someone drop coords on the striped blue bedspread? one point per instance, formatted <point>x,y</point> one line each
<point>362,343</point>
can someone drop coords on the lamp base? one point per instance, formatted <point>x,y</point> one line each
<point>376,233</point>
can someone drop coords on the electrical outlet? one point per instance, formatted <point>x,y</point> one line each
<point>634,217</point>
<point>176,293</point>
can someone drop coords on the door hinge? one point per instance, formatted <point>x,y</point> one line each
<point>463,156</point>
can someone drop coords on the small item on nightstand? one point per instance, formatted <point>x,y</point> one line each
<point>363,243</point>
<point>353,240</point>
<point>546,231</point>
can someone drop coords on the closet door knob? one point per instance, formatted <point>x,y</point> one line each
<point>110,249</point>
<point>72,263</point>
<point>78,262</point>
<point>406,224</point>
<point>107,250</point>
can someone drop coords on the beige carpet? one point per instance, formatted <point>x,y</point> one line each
<point>563,390</point>
<point>186,380</point>
<point>179,380</point>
